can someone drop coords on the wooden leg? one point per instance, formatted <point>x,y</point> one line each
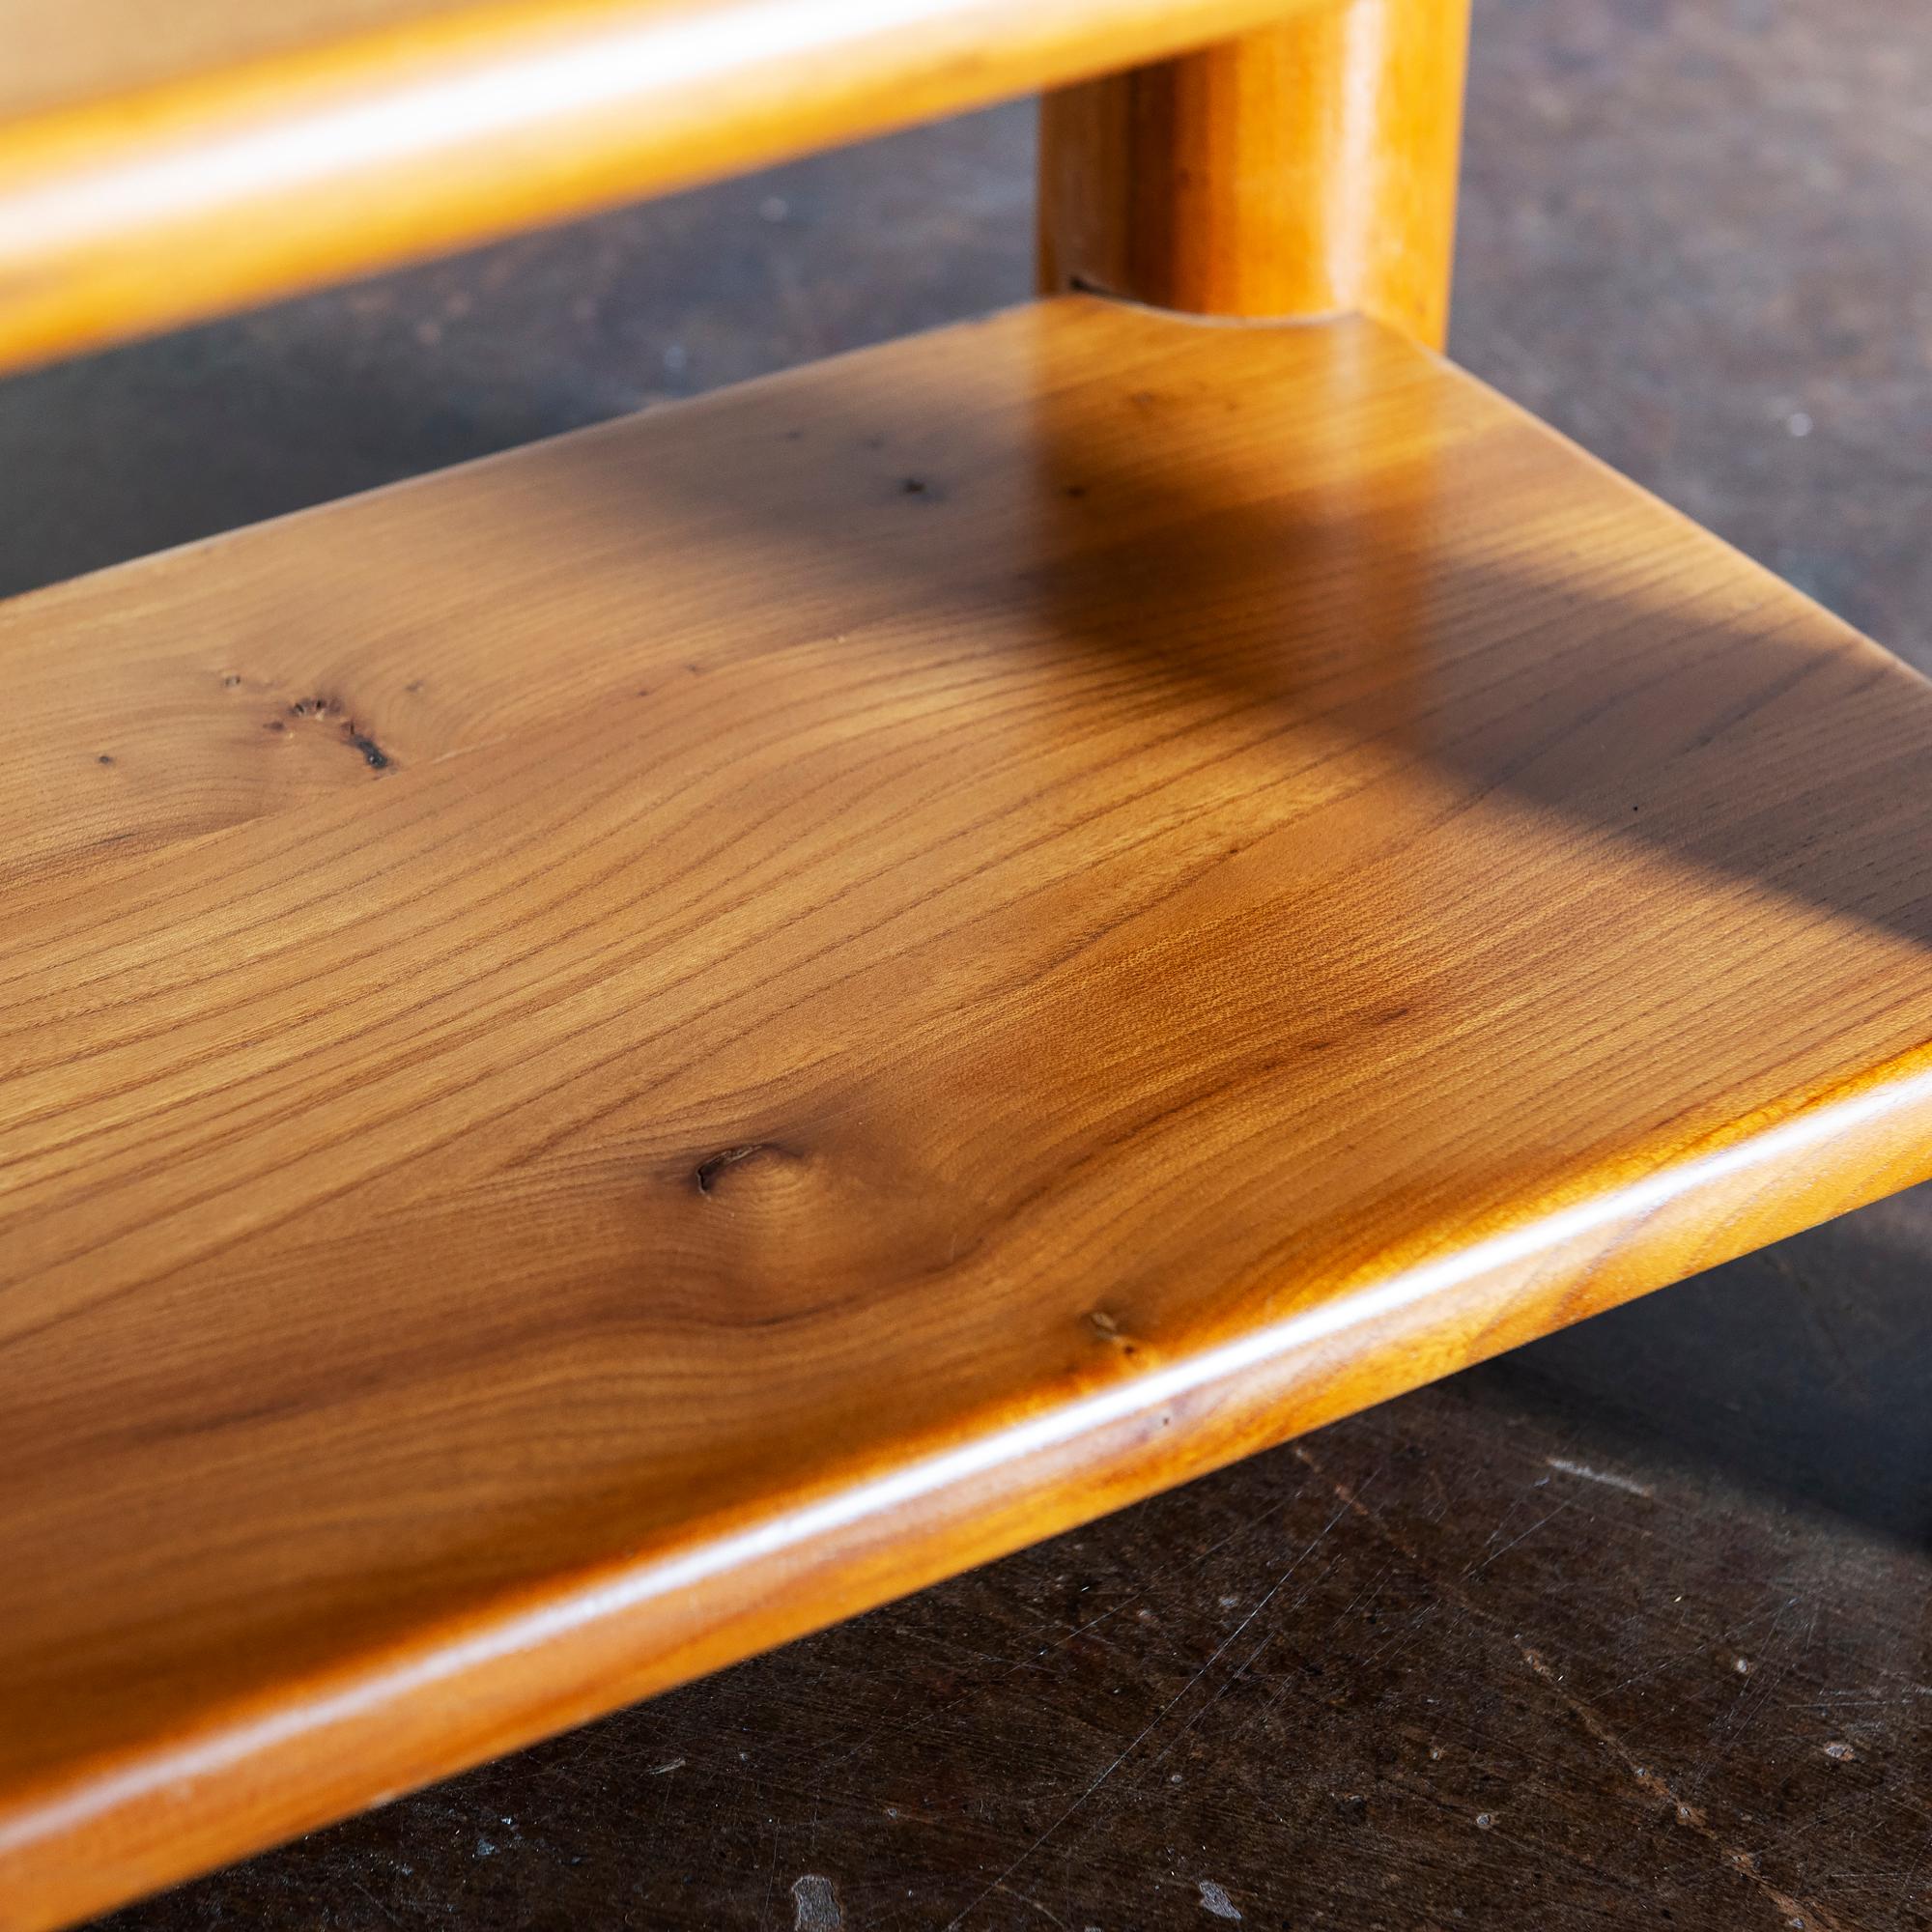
<point>1306,169</point>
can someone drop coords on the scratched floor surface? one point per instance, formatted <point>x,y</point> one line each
<point>1630,1628</point>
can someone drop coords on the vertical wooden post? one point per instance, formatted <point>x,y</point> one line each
<point>1302,170</point>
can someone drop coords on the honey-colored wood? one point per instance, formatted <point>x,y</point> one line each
<point>938,943</point>
<point>1305,169</point>
<point>61,53</point>
<point>161,164</point>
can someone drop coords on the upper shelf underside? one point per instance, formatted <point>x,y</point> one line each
<point>621,1052</point>
<point>159,164</point>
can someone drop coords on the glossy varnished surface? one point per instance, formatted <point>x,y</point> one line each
<point>1194,908</point>
<point>162,165</point>
<point>1305,170</point>
<point>1553,1644</point>
<point>1774,1406</point>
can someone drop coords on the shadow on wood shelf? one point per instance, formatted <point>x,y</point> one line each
<point>1627,1625</point>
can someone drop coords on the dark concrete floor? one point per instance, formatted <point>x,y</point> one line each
<point>1630,1628</point>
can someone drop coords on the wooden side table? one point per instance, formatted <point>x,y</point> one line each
<point>621,1052</point>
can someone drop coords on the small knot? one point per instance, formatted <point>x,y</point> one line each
<point>712,1166</point>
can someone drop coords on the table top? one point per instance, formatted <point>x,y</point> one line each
<point>1772,1407</point>
<point>621,1053</point>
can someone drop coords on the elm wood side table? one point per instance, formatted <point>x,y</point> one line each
<point>618,1053</point>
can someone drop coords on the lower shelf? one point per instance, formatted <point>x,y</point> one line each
<point>619,1053</point>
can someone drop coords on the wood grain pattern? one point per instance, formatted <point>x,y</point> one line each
<point>1307,169</point>
<point>219,156</point>
<point>1084,894</point>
